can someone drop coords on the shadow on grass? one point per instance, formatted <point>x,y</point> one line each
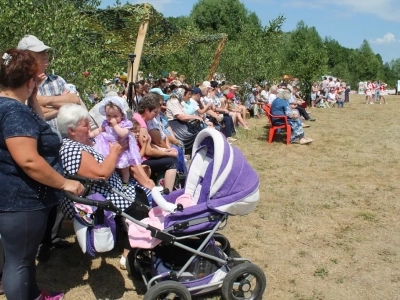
<point>69,268</point>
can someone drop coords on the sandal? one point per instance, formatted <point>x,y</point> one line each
<point>305,141</point>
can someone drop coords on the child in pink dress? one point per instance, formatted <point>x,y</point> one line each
<point>117,127</point>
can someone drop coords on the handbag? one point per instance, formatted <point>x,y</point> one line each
<point>194,126</point>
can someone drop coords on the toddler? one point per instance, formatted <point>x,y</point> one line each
<point>116,127</point>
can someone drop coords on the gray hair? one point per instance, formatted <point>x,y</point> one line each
<point>274,88</point>
<point>69,116</point>
<point>285,94</point>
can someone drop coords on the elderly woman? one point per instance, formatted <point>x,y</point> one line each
<point>179,122</point>
<point>79,157</point>
<point>30,174</point>
<point>159,159</point>
<point>281,107</point>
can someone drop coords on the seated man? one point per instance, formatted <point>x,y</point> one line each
<point>254,103</point>
<point>295,98</point>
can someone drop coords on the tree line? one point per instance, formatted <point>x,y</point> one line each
<point>252,54</point>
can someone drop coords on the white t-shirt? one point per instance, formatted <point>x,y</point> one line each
<point>264,96</point>
<point>271,98</point>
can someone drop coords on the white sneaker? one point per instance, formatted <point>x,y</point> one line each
<point>122,262</point>
<point>231,139</point>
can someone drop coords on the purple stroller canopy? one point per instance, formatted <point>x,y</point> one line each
<point>220,175</point>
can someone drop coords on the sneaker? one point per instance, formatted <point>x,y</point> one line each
<point>122,263</point>
<point>312,120</point>
<point>306,126</point>
<point>51,296</point>
<point>231,139</point>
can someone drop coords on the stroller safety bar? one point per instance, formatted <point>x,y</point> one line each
<point>108,205</point>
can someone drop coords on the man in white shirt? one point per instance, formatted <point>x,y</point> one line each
<point>265,94</point>
<point>273,91</point>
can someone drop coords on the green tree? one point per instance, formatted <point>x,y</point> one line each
<point>305,56</point>
<point>223,16</point>
<point>61,25</point>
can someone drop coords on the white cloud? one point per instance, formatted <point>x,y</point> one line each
<point>386,39</point>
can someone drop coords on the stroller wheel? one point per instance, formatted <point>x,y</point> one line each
<point>244,281</point>
<point>223,243</point>
<point>168,290</point>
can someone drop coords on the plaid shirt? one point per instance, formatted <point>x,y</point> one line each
<point>53,85</point>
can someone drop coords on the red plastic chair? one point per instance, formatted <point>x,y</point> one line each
<point>273,128</point>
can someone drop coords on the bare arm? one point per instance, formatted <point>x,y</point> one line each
<point>156,138</point>
<point>140,176</point>
<point>122,132</point>
<point>185,118</point>
<point>89,167</point>
<point>49,113</point>
<point>153,151</point>
<point>58,101</point>
<point>23,150</point>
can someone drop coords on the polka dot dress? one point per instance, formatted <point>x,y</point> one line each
<point>71,156</point>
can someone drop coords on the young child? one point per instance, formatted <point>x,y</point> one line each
<point>142,149</point>
<point>340,97</point>
<point>116,127</point>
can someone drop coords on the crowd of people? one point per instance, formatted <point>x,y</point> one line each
<point>375,91</point>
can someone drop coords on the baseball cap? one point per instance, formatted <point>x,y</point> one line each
<point>207,84</point>
<point>32,43</point>
<point>230,96</point>
<point>160,92</point>
<point>196,91</point>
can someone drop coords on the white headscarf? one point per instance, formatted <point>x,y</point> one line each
<point>118,101</point>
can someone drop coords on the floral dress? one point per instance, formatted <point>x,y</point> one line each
<point>130,157</point>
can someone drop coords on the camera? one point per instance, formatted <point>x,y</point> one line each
<point>132,56</point>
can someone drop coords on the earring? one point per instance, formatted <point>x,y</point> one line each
<point>30,90</point>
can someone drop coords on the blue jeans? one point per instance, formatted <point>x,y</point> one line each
<point>21,233</point>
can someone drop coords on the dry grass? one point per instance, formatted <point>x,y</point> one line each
<point>327,225</point>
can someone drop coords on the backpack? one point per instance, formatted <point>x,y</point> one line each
<point>95,228</point>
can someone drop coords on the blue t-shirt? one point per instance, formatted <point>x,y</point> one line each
<point>19,192</point>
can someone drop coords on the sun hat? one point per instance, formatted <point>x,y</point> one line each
<point>118,101</point>
<point>160,92</point>
<point>32,43</point>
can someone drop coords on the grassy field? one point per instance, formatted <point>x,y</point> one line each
<point>327,224</point>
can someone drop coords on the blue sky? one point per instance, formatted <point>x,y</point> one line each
<point>347,21</point>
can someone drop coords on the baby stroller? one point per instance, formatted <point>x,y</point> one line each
<point>177,250</point>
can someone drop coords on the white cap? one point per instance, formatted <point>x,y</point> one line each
<point>207,84</point>
<point>32,43</point>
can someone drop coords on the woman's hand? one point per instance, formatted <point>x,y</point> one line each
<point>171,152</point>
<point>73,186</point>
<point>119,146</point>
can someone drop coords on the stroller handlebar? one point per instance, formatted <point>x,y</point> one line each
<point>161,202</point>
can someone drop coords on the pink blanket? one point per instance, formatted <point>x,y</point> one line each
<point>140,237</point>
